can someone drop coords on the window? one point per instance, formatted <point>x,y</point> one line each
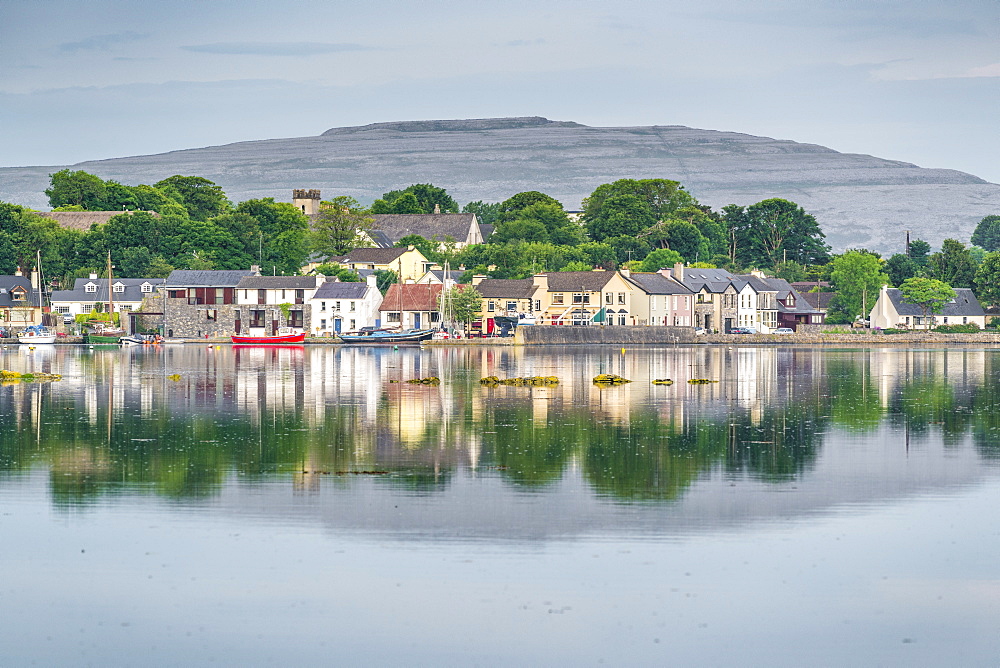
<point>490,306</point>
<point>17,294</point>
<point>322,323</point>
<point>621,319</point>
<point>609,298</point>
<point>300,296</point>
<point>511,306</point>
<point>621,297</point>
<point>257,319</point>
<point>791,300</point>
<point>353,307</point>
<point>354,325</point>
<point>557,298</point>
<point>146,288</point>
<point>220,296</point>
<point>581,297</point>
<point>118,287</point>
<point>211,314</point>
<point>123,308</point>
<point>176,294</point>
<point>336,305</point>
<point>62,309</point>
<point>87,308</point>
<point>261,296</point>
<point>652,302</point>
<point>322,306</point>
<point>295,318</point>
<point>392,316</point>
<point>90,287</point>
<point>538,304</point>
<point>435,316</point>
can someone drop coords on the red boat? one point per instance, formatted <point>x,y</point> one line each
<point>268,340</point>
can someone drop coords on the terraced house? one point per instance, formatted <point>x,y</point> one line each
<point>584,298</point>
<point>271,303</point>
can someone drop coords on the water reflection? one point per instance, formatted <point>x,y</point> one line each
<point>184,421</point>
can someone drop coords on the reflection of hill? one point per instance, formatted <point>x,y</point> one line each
<point>784,431</point>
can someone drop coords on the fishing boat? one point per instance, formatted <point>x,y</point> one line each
<point>371,335</point>
<point>105,331</point>
<point>141,339</point>
<point>278,339</point>
<point>36,334</point>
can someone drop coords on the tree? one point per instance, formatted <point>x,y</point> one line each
<point>953,264</point>
<point>76,188</point>
<point>928,293</point>
<point>918,251</point>
<point>427,196</point>
<point>200,197</point>
<point>987,234</point>
<point>790,271</point>
<point>988,279</point>
<point>339,225</point>
<point>857,277</point>
<point>621,215</point>
<point>461,302</point>
<point>384,278</point>
<point>487,213</point>
<point>661,258</point>
<point>628,206</point>
<point>576,265</point>
<point>680,236</point>
<point>343,274</point>
<point>781,230</point>
<point>511,208</point>
<point>899,267</point>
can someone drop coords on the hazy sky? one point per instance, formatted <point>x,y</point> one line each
<point>911,80</point>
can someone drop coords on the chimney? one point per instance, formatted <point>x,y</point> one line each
<point>478,278</point>
<point>34,278</point>
<point>255,268</point>
<point>19,272</point>
<point>541,281</point>
<point>437,208</point>
<point>372,280</point>
<point>625,272</point>
<point>93,276</point>
<point>678,272</point>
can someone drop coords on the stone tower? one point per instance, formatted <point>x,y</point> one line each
<point>306,200</point>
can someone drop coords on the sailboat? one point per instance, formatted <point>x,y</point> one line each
<point>105,331</point>
<point>38,334</point>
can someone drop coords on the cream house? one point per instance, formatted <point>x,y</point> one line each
<point>583,298</point>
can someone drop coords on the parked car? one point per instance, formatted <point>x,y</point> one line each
<point>742,330</point>
<point>698,331</point>
<point>784,330</point>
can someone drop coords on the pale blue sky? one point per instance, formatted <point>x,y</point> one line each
<point>917,81</point>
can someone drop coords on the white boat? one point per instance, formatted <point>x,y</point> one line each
<point>36,334</point>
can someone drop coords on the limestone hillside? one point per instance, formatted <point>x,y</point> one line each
<point>859,200</point>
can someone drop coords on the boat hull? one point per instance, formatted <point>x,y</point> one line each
<point>377,338</point>
<point>268,340</point>
<point>103,339</point>
<point>38,339</point>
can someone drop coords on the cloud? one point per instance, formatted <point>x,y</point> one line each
<point>985,71</point>
<point>102,42</point>
<point>275,48</point>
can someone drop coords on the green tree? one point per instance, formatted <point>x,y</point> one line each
<point>899,267</point>
<point>660,259</point>
<point>344,274</point>
<point>620,215</point>
<point>427,196</point>
<point>461,302</point>
<point>928,293</point>
<point>953,264</point>
<point>76,188</point>
<point>790,271</point>
<point>158,268</point>
<point>857,277</point>
<point>200,197</point>
<point>987,233</point>
<point>681,236</point>
<point>384,278</point>
<point>487,213</point>
<point>511,208</point>
<point>628,206</point>
<point>918,251</point>
<point>576,265</point>
<point>339,226</point>
<point>134,262</point>
<point>781,230</point>
<point>988,279</point>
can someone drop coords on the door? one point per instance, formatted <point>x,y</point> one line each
<point>336,325</point>
<point>416,320</point>
<point>238,326</point>
<point>729,324</point>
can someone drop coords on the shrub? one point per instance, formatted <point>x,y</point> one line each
<point>971,328</point>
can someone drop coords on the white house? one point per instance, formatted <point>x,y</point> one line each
<point>891,311</point>
<point>344,307</point>
<point>90,294</point>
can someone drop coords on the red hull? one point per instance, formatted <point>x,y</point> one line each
<point>269,340</point>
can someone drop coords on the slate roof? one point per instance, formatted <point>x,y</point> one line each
<point>818,300</point>
<point>716,280</point>
<point>133,290</point>
<point>411,297</point>
<point>371,255</point>
<point>506,288</point>
<point>658,284</point>
<point>486,230</point>
<point>215,278</point>
<point>964,304</point>
<point>277,283</point>
<point>428,225</point>
<point>453,275</point>
<point>341,290</point>
<point>8,282</point>
<point>575,281</point>
<point>82,220</point>
<point>379,238</point>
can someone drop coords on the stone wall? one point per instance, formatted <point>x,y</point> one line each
<point>565,335</point>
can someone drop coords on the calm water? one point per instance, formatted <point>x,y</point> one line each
<point>254,506</point>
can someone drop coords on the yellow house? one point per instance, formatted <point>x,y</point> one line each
<point>584,298</point>
<point>409,263</point>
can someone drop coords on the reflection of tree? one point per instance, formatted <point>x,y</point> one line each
<point>531,454</point>
<point>926,400</point>
<point>855,400</point>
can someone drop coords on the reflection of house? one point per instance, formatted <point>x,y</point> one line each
<point>268,303</point>
<point>661,301</point>
<point>892,311</point>
<point>583,298</point>
<point>20,301</point>
<point>408,263</point>
<point>127,294</point>
<point>344,307</point>
<point>202,302</point>
<point>411,306</point>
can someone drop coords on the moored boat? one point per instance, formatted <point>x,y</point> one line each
<point>36,334</point>
<point>268,340</point>
<point>373,336</point>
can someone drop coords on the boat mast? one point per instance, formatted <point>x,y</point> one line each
<point>111,300</point>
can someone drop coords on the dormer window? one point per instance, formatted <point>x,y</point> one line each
<point>17,294</point>
<point>790,301</point>
<point>90,287</point>
<point>148,287</point>
<point>119,287</point>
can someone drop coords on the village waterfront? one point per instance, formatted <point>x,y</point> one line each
<point>205,503</point>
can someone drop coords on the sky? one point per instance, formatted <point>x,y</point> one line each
<point>914,80</point>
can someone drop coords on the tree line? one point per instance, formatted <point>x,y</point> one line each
<point>188,222</point>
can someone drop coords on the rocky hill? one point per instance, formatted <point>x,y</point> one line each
<point>859,200</point>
